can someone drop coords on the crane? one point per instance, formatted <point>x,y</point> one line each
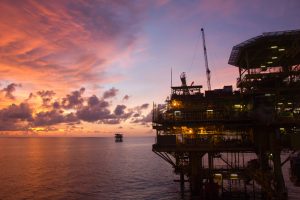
<point>206,61</point>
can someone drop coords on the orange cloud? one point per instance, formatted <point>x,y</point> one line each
<point>63,44</point>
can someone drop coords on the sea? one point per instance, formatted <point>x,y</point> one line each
<point>89,168</point>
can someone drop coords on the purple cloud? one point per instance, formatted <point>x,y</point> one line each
<point>9,89</point>
<point>110,93</point>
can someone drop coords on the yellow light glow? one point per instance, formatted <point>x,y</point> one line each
<point>238,106</point>
<point>202,130</point>
<point>274,57</point>
<point>274,47</point>
<point>270,62</point>
<point>37,129</point>
<point>209,110</point>
<point>175,103</point>
<point>234,176</point>
<point>281,49</point>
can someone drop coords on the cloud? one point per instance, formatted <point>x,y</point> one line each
<point>70,110</point>
<point>139,109</point>
<point>46,96</point>
<point>119,110</point>
<point>96,110</point>
<point>9,89</point>
<point>144,120</point>
<point>15,117</point>
<point>74,99</point>
<point>126,97</point>
<point>110,93</point>
<point>53,117</point>
<point>139,118</point>
<point>144,106</point>
<point>63,43</point>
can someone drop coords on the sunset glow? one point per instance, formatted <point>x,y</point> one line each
<point>94,68</point>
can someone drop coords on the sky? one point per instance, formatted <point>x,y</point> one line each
<point>95,67</point>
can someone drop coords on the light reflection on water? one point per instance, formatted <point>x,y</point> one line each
<point>87,168</point>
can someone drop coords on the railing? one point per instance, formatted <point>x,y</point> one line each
<point>205,140</point>
<point>160,117</point>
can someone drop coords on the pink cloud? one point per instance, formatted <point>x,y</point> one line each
<point>63,44</point>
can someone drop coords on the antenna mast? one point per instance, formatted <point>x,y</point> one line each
<point>206,61</point>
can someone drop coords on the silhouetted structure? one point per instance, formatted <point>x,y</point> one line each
<point>246,130</point>
<point>118,137</point>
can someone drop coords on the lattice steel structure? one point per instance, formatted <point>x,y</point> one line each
<point>209,137</point>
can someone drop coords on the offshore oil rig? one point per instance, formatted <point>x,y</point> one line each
<point>228,144</point>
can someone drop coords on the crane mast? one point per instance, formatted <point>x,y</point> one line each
<point>206,61</point>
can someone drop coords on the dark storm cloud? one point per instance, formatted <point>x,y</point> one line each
<point>74,99</point>
<point>9,89</point>
<point>110,93</point>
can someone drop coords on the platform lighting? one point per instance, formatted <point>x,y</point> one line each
<point>281,49</point>
<point>289,103</point>
<point>279,103</point>
<point>262,66</point>
<point>270,156</point>
<point>237,106</point>
<point>274,57</point>
<point>209,110</point>
<point>270,62</point>
<point>175,103</point>
<point>218,175</point>
<point>274,47</point>
<point>234,176</point>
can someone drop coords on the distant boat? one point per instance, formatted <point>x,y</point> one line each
<point>118,137</point>
<point>295,169</point>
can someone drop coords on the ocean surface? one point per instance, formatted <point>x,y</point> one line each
<point>89,168</point>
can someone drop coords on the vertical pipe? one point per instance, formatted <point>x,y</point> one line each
<point>182,181</point>
<point>196,179</point>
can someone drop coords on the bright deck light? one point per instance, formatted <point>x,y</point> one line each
<point>233,176</point>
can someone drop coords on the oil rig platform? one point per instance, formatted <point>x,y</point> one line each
<point>118,137</point>
<point>228,143</point>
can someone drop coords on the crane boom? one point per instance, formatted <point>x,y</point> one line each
<point>206,61</point>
